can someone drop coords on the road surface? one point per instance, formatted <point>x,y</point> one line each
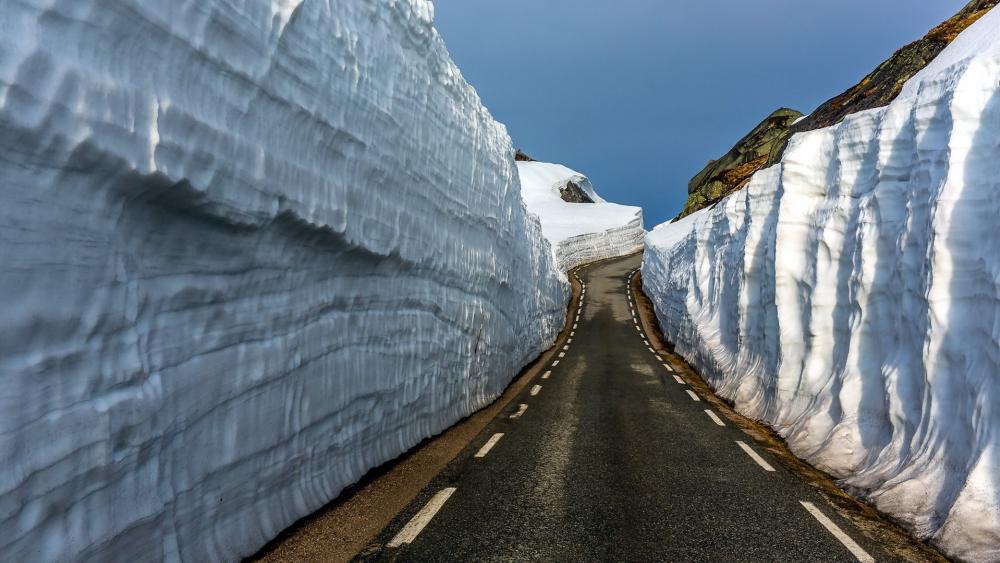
<point>610,456</point>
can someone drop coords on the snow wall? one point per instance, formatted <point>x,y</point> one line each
<point>578,232</point>
<point>850,297</point>
<point>249,251</point>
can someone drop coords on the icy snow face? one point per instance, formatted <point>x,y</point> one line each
<point>850,298</point>
<point>579,232</point>
<point>249,252</point>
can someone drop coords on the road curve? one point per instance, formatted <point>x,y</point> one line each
<point>610,456</point>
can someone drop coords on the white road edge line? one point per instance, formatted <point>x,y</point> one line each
<point>678,379</point>
<point>566,347</point>
<point>694,396</point>
<point>715,418</point>
<point>562,354</point>
<point>650,349</point>
<point>755,456</point>
<point>535,390</point>
<point>417,524</point>
<point>569,340</point>
<point>489,445</point>
<point>546,374</point>
<point>555,363</point>
<point>850,544</point>
<point>574,325</point>
<point>520,411</point>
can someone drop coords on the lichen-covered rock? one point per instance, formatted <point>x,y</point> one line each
<point>878,89</point>
<point>731,172</point>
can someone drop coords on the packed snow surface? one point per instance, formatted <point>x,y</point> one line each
<point>579,232</point>
<point>850,297</point>
<point>250,251</point>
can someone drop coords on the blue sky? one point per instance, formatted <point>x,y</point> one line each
<point>640,94</point>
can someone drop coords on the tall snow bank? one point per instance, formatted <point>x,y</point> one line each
<point>578,232</point>
<point>850,297</point>
<point>250,251</point>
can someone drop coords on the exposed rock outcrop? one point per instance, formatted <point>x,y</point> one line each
<point>722,177</point>
<point>882,86</point>
<point>573,193</point>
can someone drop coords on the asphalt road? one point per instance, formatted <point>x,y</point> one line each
<point>614,460</point>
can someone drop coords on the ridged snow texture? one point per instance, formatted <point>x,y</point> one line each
<point>250,250</point>
<point>578,232</point>
<point>850,297</point>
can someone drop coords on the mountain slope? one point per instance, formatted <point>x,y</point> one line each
<point>877,89</point>
<point>578,223</point>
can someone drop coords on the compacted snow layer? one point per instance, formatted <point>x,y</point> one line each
<point>850,297</point>
<point>579,232</point>
<point>249,251</point>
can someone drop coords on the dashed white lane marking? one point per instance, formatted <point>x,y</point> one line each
<point>678,379</point>
<point>856,550</point>
<point>535,390</point>
<point>546,374</point>
<point>650,349</point>
<point>520,411</point>
<point>694,396</point>
<point>489,445</point>
<point>574,325</point>
<point>754,456</point>
<point>562,354</point>
<point>568,341</point>
<point>555,363</point>
<point>715,418</point>
<point>644,341</point>
<point>572,333</point>
<point>566,347</point>
<point>668,366</point>
<point>417,524</point>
